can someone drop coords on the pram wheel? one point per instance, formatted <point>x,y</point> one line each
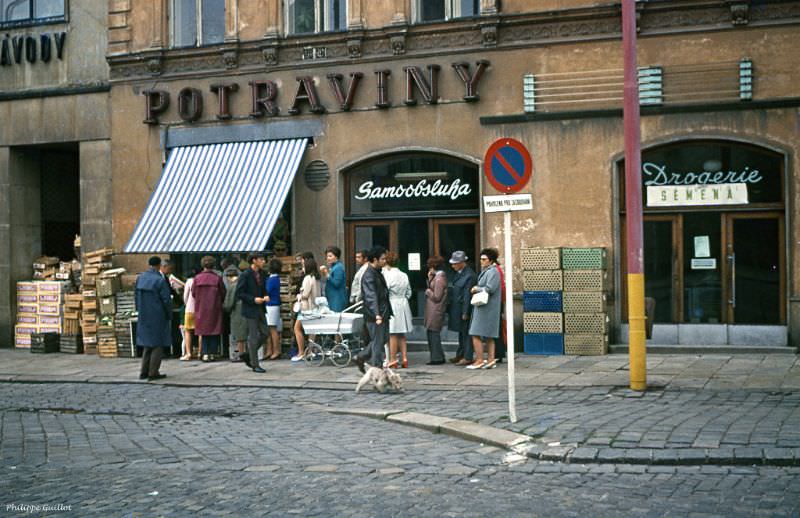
<point>340,355</point>
<point>314,354</point>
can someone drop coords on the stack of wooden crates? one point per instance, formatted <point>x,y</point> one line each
<point>564,301</point>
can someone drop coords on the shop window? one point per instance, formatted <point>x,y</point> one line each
<point>310,16</point>
<point>197,22</point>
<point>29,12</point>
<point>440,10</point>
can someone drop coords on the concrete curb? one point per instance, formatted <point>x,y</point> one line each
<point>573,453</point>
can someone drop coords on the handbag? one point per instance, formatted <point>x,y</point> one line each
<point>480,298</point>
<point>296,307</point>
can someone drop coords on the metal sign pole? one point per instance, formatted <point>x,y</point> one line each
<point>512,397</point>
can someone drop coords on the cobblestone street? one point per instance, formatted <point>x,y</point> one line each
<point>137,449</point>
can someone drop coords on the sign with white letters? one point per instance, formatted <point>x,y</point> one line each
<point>507,202</point>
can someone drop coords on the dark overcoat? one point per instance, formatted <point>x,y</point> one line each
<point>459,302</point>
<point>154,306</point>
<point>375,295</point>
<point>209,295</point>
<point>247,290</point>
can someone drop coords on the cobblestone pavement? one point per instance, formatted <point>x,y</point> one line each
<point>149,450</point>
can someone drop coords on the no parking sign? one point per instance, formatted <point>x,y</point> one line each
<point>507,165</point>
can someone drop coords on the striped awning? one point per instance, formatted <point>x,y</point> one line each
<point>218,197</point>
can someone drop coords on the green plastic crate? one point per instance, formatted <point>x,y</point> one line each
<point>583,258</point>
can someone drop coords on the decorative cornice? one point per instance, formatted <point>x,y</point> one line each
<point>499,32</point>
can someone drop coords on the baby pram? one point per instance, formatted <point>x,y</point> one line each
<point>336,335</point>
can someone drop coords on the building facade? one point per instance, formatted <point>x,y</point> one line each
<point>395,103</point>
<point>55,147</point>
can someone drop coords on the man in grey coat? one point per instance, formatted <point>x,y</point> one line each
<point>459,309</point>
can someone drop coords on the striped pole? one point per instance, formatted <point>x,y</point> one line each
<point>633,202</point>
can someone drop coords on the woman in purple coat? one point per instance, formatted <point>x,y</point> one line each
<point>209,297</point>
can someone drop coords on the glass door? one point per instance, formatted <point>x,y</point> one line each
<point>755,269</point>
<point>363,235</point>
<point>450,235</point>
<point>702,268</point>
<point>662,268</point>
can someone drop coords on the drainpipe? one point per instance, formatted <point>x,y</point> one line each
<point>633,202</point>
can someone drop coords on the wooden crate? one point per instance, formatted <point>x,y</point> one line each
<point>541,258</point>
<point>586,344</point>
<point>543,322</point>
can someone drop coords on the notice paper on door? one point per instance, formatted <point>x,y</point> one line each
<point>414,262</point>
<point>702,247</point>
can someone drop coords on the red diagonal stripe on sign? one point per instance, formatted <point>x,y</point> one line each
<point>509,168</point>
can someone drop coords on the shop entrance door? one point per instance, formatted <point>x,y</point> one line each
<point>366,234</point>
<point>755,269</point>
<point>450,235</point>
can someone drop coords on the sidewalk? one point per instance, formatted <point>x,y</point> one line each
<point>711,410</point>
<point>695,371</point>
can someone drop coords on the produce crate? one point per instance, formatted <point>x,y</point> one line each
<point>585,280</point>
<point>108,306</point>
<point>584,302</point>
<point>586,344</point>
<point>72,344</point>
<point>543,280</point>
<point>543,322</point>
<point>44,343</point>
<point>107,350</point>
<point>579,323</point>
<point>583,258</point>
<point>541,258</point>
<point>548,301</point>
<point>108,286</point>
<point>544,343</point>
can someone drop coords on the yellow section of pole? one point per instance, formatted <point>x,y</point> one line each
<point>636,338</point>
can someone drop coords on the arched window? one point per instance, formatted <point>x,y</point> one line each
<point>196,23</point>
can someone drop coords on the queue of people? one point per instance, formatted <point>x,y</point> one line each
<point>246,301</point>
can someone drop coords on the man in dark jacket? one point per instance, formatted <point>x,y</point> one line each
<point>154,306</point>
<point>251,290</point>
<point>460,309</point>
<point>377,309</point>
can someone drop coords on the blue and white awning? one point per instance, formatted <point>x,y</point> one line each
<point>218,197</point>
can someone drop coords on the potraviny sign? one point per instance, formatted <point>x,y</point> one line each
<point>507,202</point>
<point>696,195</point>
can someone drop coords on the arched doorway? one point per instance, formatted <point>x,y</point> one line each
<point>714,239</point>
<point>418,204</point>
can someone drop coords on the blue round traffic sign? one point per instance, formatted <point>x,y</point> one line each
<point>507,165</point>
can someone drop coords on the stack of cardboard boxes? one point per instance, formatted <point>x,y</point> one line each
<point>39,307</point>
<point>45,268</point>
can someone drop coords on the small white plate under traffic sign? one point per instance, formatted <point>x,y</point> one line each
<point>507,202</point>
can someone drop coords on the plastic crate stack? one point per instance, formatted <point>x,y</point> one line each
<point>543,318</point>
<point>585,314</point>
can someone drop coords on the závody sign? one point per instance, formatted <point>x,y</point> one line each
<point>667,188</point>
<point>264,93</point>
<point>422,189</point>
<point>15,50</point>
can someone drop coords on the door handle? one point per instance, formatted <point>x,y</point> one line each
<point>732,263</point>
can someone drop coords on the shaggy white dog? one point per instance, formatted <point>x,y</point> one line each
<point>381,379</point>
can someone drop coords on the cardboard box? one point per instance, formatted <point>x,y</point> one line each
<point>31,298</point>
<point>49,320</point>
<point>24,287</point>
<point>49,309</point>
<point>50,298</point>
<point>31,309</point>
<point>25,329</point>
<point>50,329</point>
<point>24,318</point>
<point>51,287</point>
<point>22,341</point>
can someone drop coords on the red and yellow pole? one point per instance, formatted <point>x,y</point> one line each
<point>633,201</point>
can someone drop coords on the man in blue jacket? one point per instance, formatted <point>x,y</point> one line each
<point>460,309</point>
<point>336,280</point>
<point>154,306</point>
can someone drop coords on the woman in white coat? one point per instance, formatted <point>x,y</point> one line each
<point>400,323</point>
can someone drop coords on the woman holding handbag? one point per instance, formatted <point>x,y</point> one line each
<point>485,310</point>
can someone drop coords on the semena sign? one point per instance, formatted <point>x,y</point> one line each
<point>419,84</point>
<point>696,195</point>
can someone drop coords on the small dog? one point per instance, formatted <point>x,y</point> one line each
<point>382,379</point>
